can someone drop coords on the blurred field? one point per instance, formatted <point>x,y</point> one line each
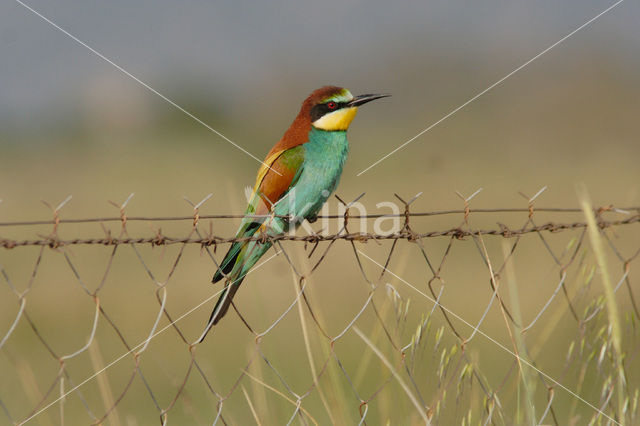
<point>567,120</point>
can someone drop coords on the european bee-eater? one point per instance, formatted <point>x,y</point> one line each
<point>300,172</point>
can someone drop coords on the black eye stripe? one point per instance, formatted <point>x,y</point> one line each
<point>321,109</point>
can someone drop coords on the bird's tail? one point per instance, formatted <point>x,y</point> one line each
<point>235,251</point>
<point>222,305</point>
<point>235,266</point>
<point>224,302</point>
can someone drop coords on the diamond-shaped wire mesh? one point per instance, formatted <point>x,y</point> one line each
<point>450,320</point>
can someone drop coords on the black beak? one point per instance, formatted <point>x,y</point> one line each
<point>363,99</point>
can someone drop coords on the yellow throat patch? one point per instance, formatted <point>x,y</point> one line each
<point>336,120</point>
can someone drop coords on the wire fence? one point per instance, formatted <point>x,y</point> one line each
<point>469,316</point>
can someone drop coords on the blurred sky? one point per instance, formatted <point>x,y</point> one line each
<point>244,68</point>
<point>241,54</point>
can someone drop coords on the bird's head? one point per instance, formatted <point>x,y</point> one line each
<point>333,108</point>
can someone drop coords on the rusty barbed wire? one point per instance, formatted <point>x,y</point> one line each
<point>609,208</point>
<point>161,239</point>
<point>428,368</point>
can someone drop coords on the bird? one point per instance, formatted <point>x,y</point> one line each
<point>298,175</point>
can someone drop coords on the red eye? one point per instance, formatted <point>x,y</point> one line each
<point>331,105</point>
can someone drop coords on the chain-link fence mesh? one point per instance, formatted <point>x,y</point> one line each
<point>495,316</point>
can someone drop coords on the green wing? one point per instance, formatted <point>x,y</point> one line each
<point>271,188</point>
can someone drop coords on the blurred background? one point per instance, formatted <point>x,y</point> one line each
<point>567,118</point>
<point>73,124</point>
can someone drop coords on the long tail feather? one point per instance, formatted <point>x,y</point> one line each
<point>243,261</point>
<point>222,305</point>
<point>229,260</point>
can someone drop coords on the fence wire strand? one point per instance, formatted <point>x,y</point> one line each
<point>395,357</point>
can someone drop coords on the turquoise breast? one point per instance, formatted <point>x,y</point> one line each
<point>324,158</point>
